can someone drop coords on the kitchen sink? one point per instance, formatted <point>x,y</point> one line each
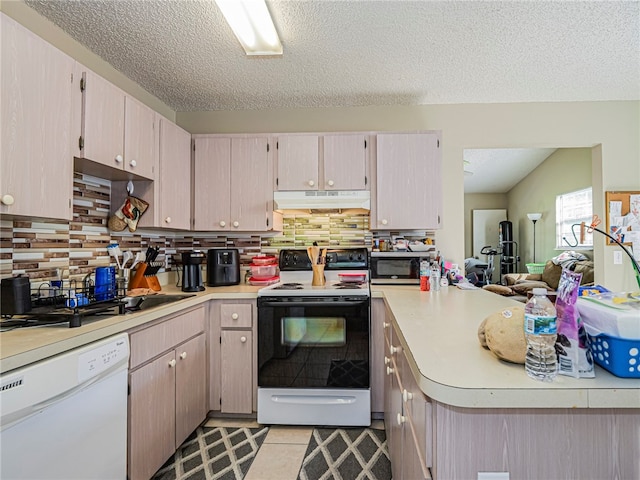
<point>145,302</point>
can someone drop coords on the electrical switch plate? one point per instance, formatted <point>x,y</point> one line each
<point>617,257</point>
<point>493,475</point>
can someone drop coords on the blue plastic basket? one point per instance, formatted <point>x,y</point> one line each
<point>620,356</point>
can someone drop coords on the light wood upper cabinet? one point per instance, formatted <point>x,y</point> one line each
<point>117,131</point>
<point>322,162</point>
<point>408,182</point>
<point>36,177</point>
<point>345,162</point>
<point>173,194</point>
<point>232,184</point>
<point>298,157</point>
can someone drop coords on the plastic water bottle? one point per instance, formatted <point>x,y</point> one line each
<point>540,329</point>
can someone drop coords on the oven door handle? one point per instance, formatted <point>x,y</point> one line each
<point>339,303</point>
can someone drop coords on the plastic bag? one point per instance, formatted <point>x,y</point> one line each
<point>574,355</point>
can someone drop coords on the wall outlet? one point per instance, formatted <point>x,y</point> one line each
<point>617,257</point>
<point>493,475</point>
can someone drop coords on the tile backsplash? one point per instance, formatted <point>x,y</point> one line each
<point>38,248</point>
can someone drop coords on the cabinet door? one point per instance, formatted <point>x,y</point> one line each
<point>345,162</point>
<point>236,367</point>
<point>212,184</point>
<point>191,387</point>
<point>377,354</point>
<point>36,97</point>
<point>103,121</point>
<point>175,176</point>
<point>408,182</point>
<point>398,420</point>
<point>152,406</point>
<point>139,139</point>
<point>297,162</point>
<point>250,184</point>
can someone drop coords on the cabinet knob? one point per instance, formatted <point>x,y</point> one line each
<point>330,183</point>
<point>234,316</point>
<point>168,219</point>
<point>172,363</point>
<point>406,395</point>
<point>389,370</point>
<point>385,324</point>
<point>119,158</point>
<point>311,183</point>
<point>401,419</point>
<point>133,163</point>
<point>393,349</point>
<point>222,223</point>
<point>236,224</point>
<point>384,221</point>
<point>183,355</point>
<point>387,360</point>
<point>7,199</point>
<point>243,339</point>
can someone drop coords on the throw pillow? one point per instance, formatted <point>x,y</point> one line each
<point>524,287</point>
<point>551,274</point>
<point>499,289</point>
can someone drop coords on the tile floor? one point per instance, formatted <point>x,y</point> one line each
<point>280,456</point>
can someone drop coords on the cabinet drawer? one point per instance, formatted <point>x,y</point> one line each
<point>236,315</point>
<point>163,336</point>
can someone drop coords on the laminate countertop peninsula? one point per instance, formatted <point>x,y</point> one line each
<point>439,330</point>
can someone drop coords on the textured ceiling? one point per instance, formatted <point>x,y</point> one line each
<point>354,53</point>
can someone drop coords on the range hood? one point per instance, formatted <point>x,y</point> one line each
<point>323,200</point>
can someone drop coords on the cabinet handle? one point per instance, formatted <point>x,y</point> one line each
<point>401,419</point>
<point>172,363</point>
<point>384,221</point>
<point>394,350</point>
<point>133,163</point>
<point>387,360</point>
<point>234,316</point>
<point>119,159</point>
<point>330,183</point>
<point>183,355</point>
<point>389,370</point>
<point>236,224</point>
<point>168,219</point>
<point>222,223</point>
<point>406,395</point>
<point>311,183</point>
<point>243,339</point>
<point>7,199</point>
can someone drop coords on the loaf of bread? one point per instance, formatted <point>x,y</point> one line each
<point>503,333</point>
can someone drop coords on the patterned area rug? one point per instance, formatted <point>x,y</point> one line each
<point>346,454</point>
<point>214,453</point>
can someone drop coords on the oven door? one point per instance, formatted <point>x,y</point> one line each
<point>313,342</point>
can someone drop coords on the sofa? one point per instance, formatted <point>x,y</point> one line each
<point>518,285</point>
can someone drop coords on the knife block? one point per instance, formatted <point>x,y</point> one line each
<point>142,280</point>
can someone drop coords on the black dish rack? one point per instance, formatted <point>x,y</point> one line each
<point>67,303</point>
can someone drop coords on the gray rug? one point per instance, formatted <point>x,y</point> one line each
<point>214,453</point>
<point>346,454</point>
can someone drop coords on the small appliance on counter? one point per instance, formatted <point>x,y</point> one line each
<point>16,295</point>
<point>223,267</point>
<point>192,271</point>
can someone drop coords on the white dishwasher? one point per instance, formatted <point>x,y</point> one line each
<point>66,417</point>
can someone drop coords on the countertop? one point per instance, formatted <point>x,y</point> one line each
<point>438,329</point>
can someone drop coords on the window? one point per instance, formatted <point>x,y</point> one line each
<point>573,208</point>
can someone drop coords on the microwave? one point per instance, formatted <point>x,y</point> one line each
<point>389,268</point>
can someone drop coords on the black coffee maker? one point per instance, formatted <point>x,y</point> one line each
<point>192,271</point>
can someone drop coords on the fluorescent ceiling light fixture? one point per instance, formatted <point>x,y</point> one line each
<point>252,24</point>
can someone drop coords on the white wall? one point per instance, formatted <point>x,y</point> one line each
<point>612,127</point>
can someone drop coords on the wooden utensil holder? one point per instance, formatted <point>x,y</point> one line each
<point>140,280</point>
<point>318,279</point>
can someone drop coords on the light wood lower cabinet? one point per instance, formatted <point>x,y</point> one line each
<point>233,367</point>
<point>168,387</point>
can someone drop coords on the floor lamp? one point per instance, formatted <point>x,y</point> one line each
<point>534,217</point>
